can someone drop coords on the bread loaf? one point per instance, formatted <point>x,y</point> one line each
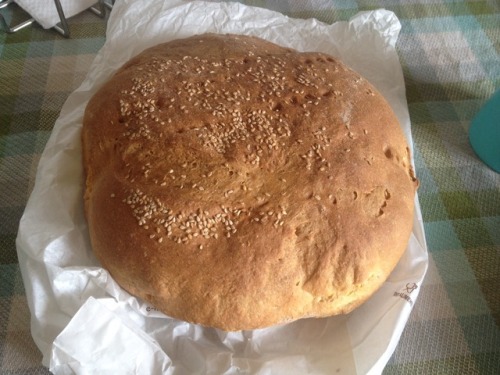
<point>234,183</point>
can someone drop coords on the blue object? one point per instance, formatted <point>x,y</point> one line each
<point>484,132</point>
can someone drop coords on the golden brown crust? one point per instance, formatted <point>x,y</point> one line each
<point>238,184</point>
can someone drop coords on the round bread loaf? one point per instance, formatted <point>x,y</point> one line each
<point>237,184</point>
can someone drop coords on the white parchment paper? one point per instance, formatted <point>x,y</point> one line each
<point>84,323</point>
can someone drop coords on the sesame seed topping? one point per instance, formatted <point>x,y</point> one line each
<point>236,122</point>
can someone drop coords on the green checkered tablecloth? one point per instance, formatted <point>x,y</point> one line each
<point>449,51</point>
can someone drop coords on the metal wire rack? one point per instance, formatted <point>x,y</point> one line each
<point>99,8</point>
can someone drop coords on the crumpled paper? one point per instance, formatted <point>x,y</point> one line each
<point>84,323</point>
<point>45,12</point>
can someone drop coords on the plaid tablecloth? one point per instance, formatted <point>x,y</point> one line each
<point>449,51</point>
